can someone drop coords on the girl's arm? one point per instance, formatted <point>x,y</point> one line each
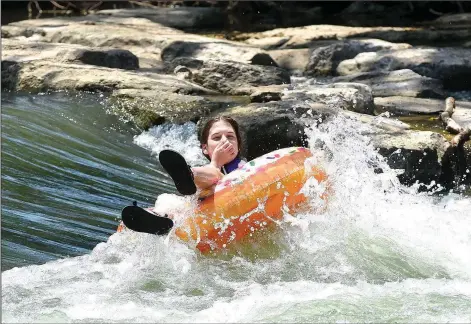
<point>206,176</point>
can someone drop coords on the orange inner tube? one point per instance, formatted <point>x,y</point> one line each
<point>242,206</point>
<point>251,198</point>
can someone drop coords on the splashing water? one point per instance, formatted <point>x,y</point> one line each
<point>415,227</point>
<point>380,252</point>
<point>181,138</point>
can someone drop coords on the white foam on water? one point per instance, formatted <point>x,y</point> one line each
<point>376,205</point>
<point>181,138</point>
<point>307,301</point>
<point>379,252</point>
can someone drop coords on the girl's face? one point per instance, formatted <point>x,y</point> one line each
<point>221,132</point>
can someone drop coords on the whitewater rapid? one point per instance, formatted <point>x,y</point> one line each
<point>380,252</point>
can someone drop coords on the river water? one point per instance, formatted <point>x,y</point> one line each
<point>381,252</point>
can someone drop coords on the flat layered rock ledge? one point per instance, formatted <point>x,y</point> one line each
<point>277,83</point>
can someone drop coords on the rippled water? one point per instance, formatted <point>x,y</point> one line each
<point>67,170</point>
<point>380,253</point>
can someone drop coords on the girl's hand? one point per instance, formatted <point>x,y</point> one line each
<point>224,153</point>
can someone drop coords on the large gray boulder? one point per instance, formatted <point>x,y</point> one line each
<point>216,51</point>
<point>420,154</point>
<point>293,60</point>
<point>229,77</point>
<point>324,60</point>
<point>450,65</point>
<point>147,108</point>
<point>112,58</point>
<point>404,83</point>
<point>347,96</point>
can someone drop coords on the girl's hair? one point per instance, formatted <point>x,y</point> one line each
<point>204,134</point>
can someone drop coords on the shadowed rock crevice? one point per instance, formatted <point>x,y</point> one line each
<point>10,71</point>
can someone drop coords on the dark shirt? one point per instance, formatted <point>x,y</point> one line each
<point>231,166</point>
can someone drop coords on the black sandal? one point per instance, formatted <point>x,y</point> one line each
<point>179,171</point>
<point>140,220</point>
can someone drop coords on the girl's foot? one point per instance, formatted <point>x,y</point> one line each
<point>179,171</point>
<point>140,220</point>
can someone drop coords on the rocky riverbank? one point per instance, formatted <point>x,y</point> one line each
<point>155,73</point>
